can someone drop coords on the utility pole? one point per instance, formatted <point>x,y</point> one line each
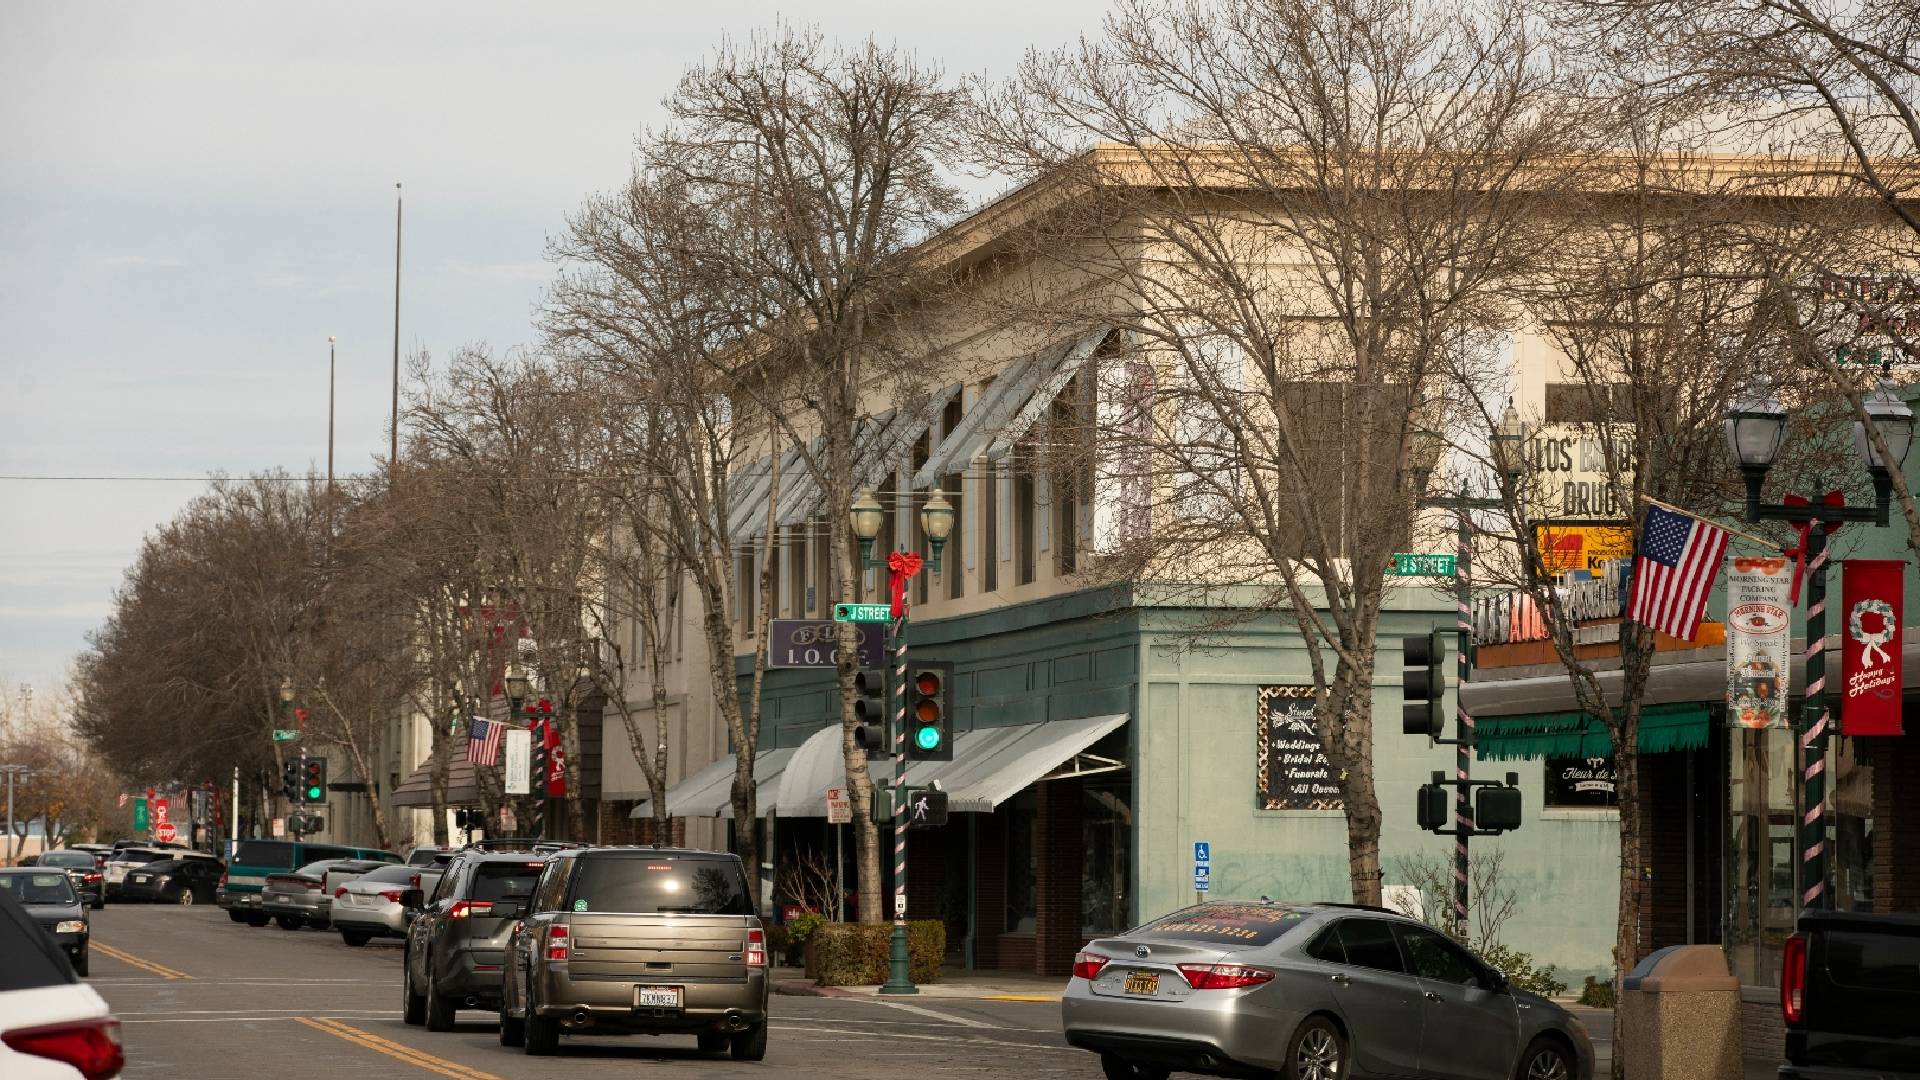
<point>393,451</point>
<point>329,415</point>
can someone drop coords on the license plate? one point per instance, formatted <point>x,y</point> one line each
<point>139,878</point>
<point>1143,982</point>
<point>656,997</point>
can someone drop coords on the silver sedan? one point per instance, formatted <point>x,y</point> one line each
<point>1313,991</point>
<point>369,906</point>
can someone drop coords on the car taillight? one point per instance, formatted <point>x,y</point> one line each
<point>1223,976</point>
<point>556,943</point>
<point>313,886</point>
<point>391,896</point>
<point>756,948</point>
<point>223,878</point>
<point>340,893</point>
<point>91,1046</point>
<point>462,909</point>
<point>1793,979</point>
<point>1088,964</point>
<point>93,877</point>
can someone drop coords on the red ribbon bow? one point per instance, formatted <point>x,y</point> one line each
<point>901,566</point>
<point>1799,553</point>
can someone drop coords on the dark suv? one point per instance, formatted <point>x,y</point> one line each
<point>458,936</point>
<point>646,940</point>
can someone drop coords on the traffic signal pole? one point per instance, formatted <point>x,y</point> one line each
<point>1463,735</point>
<point>899,971</point>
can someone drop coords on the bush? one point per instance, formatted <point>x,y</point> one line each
<point>802,926</point>
<point>777,944</point>
<point>1597,994</point>
<point>1519,970</point>
<point>856,954</point>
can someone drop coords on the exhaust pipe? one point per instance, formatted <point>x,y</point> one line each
<point>1207,1061</point>
<point>472,1002</point>
<point>582,1018</point>
<point>734,1021</point>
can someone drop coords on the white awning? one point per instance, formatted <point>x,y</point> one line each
<point>989,766</point>
<point>1026,386</point>
<point>709,792</point>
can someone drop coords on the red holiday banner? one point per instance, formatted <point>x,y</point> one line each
<point>1871,600</point>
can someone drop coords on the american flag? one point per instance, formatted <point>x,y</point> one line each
<point>1674,571</point>
<point>483,741</point>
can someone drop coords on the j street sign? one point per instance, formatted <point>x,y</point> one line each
<point>1407,564</point>
<point>862,613</point>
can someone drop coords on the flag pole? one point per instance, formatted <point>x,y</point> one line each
<point>1730,530</point>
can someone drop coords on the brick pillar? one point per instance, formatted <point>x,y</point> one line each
<point>1059,858</point>
<point>1896,822</point>
<point>990,885</point>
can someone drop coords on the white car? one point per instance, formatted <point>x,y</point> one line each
<point>52,1025</point>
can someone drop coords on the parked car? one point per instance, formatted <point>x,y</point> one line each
<point>99,851</point>
<point>302,898</point>
<point>653,940</point>
<point>457,939</point>
<point>239,890</point>
<point>429,856</point>
<point>174,881</point>
<point>1309,990</point>
<point>52,1025</point>
<point>1850,993</point>
<point>85,872</point>
<point>47,895</point>
<point>123,860</point>
<point>371,906</point>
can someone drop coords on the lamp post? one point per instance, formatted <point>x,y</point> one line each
<point>1755,427</point>
<point>518,687</point>
<point>1507,445</point>
<point>296,820</point>
<point>936,521</point>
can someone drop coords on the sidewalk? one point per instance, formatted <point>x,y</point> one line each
<point>954,983</point>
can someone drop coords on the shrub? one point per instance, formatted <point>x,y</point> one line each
<point>1597,994</point>
<point>1519,970</point>
<point>802,926</point>
<point>777,944</point>
<point>856,954</point>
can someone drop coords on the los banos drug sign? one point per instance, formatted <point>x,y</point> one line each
<point>1571,470</point>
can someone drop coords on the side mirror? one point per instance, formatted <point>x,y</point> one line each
<point>509,909</point>
<point>413,900</point>
<point>1498,980</point>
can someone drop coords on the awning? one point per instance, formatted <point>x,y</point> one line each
<point>1025,387</point>
<point>1575,734</point>
<point>462,787</point>
<point>989,766</point>
<point>709,792</point>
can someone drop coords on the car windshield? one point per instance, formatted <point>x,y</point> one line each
<point>1226,924</point>
<point>39,888</point>
<point>77,859</point>
<point>501,880</point>
<point>389,875</point>
<point>694,886</point>
<point>266,854</point>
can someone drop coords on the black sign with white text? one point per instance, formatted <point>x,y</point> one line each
<point>803,643</point>
<point>1580,782</point>
<point>1293,772</point>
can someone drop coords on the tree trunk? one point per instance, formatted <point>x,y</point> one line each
<point>1352,701</point>
<point>866,835</point>
<point>1626,934</point>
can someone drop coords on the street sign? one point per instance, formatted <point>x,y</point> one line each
<point>139,813</point>
<point>1202,851</point>
<point>839,807</point>
<point>159,812</point>
<point>284,735</point>
<point>862,613</point>
<point>279,826</point>
<point>1417,565</point>
<point>166,832</point>
<point>1201,877</point>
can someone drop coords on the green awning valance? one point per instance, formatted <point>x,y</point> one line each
<point>1575,734</point>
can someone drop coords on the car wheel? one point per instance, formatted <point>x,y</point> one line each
<point>288,922</point>
<point>413,1008</point>
<point>513,1030</point>
<point>98,904</point>
<point>355,938</point>
<point>750,1045</point>
<point>1546,1059</point>
<point>439,1008</point>
<point>1318,1052</point>
<point>712,1042</point>
<point>237,916</point>
<point>80,964</point>
<point>257,921</point>
<point>1115,1067</point>
<point>541,1034</point>
<point>185,899</point>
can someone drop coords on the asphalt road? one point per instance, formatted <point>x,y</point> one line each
<point>201,996</point>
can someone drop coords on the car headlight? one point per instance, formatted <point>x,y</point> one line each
<point>71,926</point>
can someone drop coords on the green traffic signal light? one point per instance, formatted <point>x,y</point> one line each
<point>314,794</point>
<point>927,737</point>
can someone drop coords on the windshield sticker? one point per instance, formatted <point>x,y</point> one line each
<point>579,905</point>
<point>1254,924</point>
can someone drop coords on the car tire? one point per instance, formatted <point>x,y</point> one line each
<point>712,1042</point>
<point>257,921</point>
<point>439,1008</point>
<point>1317,1051</point>
<point>540,1034</point>
<point>186,898</point>
<point>513,1030</point>
<point>413,1007</point>
<point>751,1044</point>
<point>80,964</point>
<point>1546,1059</point>
<point>355,938</point>
<point>237,916</point>
<point>288,922</point>
<point>98,904</point>
<point>1115,1067</point>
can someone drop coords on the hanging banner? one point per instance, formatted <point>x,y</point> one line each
<point>1870,676</point>
<point>1759,658</point>
<point>519,775</point>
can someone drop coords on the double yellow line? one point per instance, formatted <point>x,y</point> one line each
<point>131,960</point>
<point>392,1049</point>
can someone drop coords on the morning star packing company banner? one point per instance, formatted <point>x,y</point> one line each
<point>1871,603</point>
<point>1759,658</point>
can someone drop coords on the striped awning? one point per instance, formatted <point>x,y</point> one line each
<point>1009,407</point>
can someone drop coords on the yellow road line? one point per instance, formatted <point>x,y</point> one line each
<point>144,965</point>
<point>399,1051</point>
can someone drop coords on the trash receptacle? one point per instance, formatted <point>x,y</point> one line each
<point>1679,1017</point>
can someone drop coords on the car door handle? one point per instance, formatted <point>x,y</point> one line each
<point>1430,995</point>
<point>1340,978</point>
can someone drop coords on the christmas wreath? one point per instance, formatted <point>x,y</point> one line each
<point>1876,641</point>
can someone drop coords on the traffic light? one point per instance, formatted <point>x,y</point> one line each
<point>929,713</point>
<point>313,780</point>
<point>1431,810</point>
<point>870,709</point>
<point>1497,809</point>
<point>290,781</point>
<point>926,808</point>
<point>1423,685</point>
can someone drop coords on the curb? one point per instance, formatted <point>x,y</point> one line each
<point>798,988</point>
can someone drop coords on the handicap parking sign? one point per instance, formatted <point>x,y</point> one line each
<point>1202,851</point>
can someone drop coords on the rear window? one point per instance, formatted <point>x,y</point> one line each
<point>1227,924</point>
<point>264,854</point>
<point>659,886</point>
<point>137,857</point>
<point>67,858</point>
<point>33,958</point>
<point>501,880</point>
<point>1882,963</point>
<point>315,869</point>
<point>398,874</point>
<point>52,888</point>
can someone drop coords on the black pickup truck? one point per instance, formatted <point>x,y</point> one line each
<point>1850,990</point>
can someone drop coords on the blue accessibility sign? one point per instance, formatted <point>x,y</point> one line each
<point>1202,852</point>
<point>1201,876</point>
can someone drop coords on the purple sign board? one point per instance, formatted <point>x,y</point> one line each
<point>814,643</point>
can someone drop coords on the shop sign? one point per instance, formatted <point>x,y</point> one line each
<point>815,643</point>
<point>1589,781</point>
<point>1569,474</point>
<point>1759,615</point>
<point>1871,597</point>
<point>1514,616</point>
<point>1567,546</point>
<point>1293,771</point>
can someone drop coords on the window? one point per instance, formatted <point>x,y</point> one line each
<point>55,888</point>
<point>794,601</point>
<point>1369,943</point>
<point>743,584</point>
<point>1327,947</point>
<point>1436,958</point>
<point>262,854</point>
<point>660,885</point>
<point>1579,782</point>
<point>953,562</point>
<point>1106,845</point>
<point>504,880</point>
<point>1022,871</point>
<point>553,885</point>
<point>1024,500</point>
<point>990,529</point>
<point>1212,385</point>
<point>820,595</point>
<point>1228,924</point>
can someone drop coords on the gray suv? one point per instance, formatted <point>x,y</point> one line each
<point>647,940</point>
<point>1314,991</point>
<point>457,937</point>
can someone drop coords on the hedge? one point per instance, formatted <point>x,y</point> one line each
<point>856,954</point>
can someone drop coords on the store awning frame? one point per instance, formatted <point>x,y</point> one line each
<point>1019,389</point>
<point>1663,728</point>
<point>708,793</point>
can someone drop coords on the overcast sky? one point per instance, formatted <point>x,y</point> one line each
<point>194,196</point>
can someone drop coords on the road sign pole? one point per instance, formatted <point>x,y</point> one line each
<point>899,971</point>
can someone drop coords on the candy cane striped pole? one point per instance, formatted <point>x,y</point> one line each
<point>1814,736</point>
<point>1463,734</point>
<point>899,969</point>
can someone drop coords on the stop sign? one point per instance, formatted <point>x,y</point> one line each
<point>165,832</point>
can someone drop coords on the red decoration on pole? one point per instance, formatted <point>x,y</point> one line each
<point>1799,552</point>
<point>556,760</point>
<point>1872,596</point>
<point>901,567</point>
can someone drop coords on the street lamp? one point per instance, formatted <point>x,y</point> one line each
<point>865,516</point>
<point>936,520</point>
<point>1755,426</point>
<point>518,687</point>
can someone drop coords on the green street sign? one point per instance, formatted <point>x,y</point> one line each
<point>862,613</point>
<point>284,735</point>
<point>1414,565</point>
<point>140,813</point>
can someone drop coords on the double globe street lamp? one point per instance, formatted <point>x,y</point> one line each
<point>1755,427</point>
